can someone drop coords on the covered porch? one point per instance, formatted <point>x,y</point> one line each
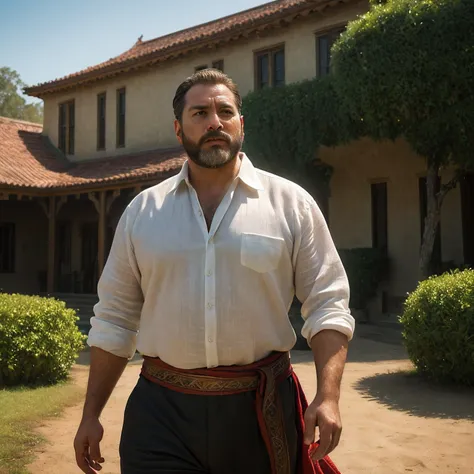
<point>58,244</point>
<point>58,217</point>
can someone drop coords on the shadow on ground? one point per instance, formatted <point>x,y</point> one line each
<point>410,393</point>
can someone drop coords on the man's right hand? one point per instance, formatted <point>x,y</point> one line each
<point>87,445</point>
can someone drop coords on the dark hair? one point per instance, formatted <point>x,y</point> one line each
<point>205,76</point>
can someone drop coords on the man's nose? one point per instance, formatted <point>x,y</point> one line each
<point>214,122</point>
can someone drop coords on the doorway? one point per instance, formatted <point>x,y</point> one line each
<point>467,207</point>
<point>89,233</point>
<point>65,282</point>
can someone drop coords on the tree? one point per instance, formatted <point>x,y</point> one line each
<point>12,104</point>
<point>406,69</point>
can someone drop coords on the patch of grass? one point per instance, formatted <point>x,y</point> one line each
<point>22,410</point>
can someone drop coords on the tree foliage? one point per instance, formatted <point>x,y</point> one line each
<point>284,126</point>
<point>12,104</point>
<point>406,68</point>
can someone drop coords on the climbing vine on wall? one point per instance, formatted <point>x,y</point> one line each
<point>284,127</point>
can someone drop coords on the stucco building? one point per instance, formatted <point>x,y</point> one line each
<point>108,133</point>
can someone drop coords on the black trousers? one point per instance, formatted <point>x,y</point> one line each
<point>168,432</point>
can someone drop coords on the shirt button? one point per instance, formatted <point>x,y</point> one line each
<point>200,213</point>
<point>209,273</point>
<point>210,339</point>
<point>210,305</point>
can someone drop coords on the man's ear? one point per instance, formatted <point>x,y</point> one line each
<point>178,131</point>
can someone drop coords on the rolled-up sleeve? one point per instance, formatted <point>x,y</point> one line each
<point>114,326</point>
<point>321,283</point>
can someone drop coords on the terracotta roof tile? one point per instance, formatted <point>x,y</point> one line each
<point>162,48</point>
<point>29,161</point>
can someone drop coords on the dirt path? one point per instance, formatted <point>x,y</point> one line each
<point>393,422</point>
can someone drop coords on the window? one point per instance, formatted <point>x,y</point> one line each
<point>270,68</point>
<point>7,248</point>
<point>218,65</point>
<point>423,193</point>
<point>324,44</point>
<point>101,101</point>
<point>66,127</point>
<point>120,118</point>
<point>379,216</point>
<point>200,68</point>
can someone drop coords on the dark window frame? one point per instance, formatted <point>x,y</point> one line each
<point>218,64</point>
<point>101,120</point>
<point>270,54</point>
<point>66,126</point>
<point>328,36</point>
<point>379,209</point>
<point>7,247</point>
<point>200,68</point>
<point>121,118</point>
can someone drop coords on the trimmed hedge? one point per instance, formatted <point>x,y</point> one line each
<point>39,340</point>
<point>438,322</point>
<point>365,268</point>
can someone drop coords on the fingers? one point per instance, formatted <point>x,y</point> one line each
<point>82,460</point>
<point>95,456</point>
<point>309,427</point>
<point>335,439</point>
<point>330,434</point>
<point>93,464</point>
<point>325,440</point>
<point>88,456</point>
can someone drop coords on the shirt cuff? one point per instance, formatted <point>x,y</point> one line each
<point>343,323</point>
<point>112,338</point>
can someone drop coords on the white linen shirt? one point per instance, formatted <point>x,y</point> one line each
<point>198,298</point>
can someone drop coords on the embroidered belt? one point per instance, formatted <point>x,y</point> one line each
<point>263,377</point>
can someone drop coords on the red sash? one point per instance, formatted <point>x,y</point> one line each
<point>263,377</point>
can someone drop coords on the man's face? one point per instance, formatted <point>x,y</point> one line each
<point>211,128</point>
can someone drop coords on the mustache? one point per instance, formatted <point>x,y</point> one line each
<point>215,135</point>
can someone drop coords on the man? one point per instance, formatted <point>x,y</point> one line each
<point>200,277</point>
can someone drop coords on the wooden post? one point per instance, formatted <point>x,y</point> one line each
<point>51,243</point>
<point>102,230</point>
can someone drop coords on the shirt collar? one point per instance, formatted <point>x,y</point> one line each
<point>247,174</point>
<point>180,177</point>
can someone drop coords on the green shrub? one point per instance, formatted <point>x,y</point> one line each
<point>39,340</point>
<point>365,268</point>
<point>438,322</point>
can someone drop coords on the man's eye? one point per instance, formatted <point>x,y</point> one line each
<point>228,112</point>
<point>201,112</point>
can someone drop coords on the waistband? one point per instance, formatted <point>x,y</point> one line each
<point>219,380</point>
<point>262,376</point>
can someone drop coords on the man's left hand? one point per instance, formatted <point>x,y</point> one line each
<point>323,413</point>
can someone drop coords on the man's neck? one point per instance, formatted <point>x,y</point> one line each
<point>213,180</point>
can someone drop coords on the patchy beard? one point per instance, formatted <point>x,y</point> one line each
<point>215,157</point>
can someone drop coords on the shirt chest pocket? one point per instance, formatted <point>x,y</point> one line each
<point>261,253</point>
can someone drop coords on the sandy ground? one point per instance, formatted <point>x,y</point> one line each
<point>393,422</point>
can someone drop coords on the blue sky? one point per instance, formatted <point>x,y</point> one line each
<point>46,39</point>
